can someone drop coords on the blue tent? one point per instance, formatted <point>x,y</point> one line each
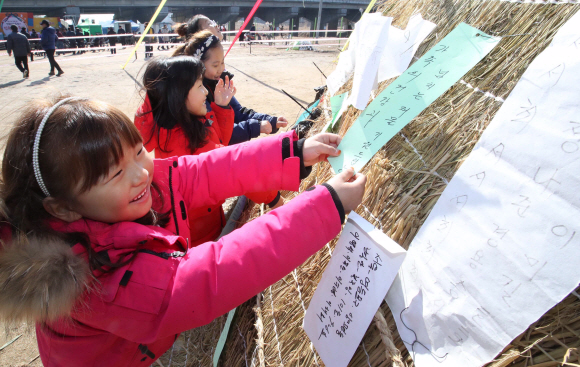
<point>134,26</point>
<point>106,24</point>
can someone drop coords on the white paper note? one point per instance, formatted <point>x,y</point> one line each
<point>502,245</point>
<point>402,45</point>
<point>371,39</point>
<point>363,265</point>
<point>345,67</point>
<point>375,39</point>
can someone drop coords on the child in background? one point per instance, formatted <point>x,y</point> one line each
<point>95,234</point>
<point>198,23</point>
<point>176,120</point>
<point>249,123</point>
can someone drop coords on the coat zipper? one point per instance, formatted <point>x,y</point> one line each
<point>173,200</point>
<point>164,255</point>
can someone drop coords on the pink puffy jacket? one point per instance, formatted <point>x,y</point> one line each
<point>138,310</point>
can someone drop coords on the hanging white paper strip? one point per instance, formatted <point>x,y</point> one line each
<point>502,245</point>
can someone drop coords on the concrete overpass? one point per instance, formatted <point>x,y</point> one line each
<point>221,11</point>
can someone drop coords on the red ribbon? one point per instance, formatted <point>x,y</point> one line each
<point>248,18</point>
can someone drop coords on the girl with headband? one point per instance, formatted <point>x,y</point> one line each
<point>248,123</point>
<point>95,236</point>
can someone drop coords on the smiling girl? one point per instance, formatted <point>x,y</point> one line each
<point>95,238</point>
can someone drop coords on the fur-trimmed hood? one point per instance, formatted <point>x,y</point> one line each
<point>41,279</point>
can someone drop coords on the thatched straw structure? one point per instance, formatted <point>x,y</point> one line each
<point>405,179</point>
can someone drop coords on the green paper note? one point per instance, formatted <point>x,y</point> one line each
<point>305,114</point>
<point>408,95</point>
<point>336,103</point>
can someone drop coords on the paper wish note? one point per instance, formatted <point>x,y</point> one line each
<point>345,67</point>
<point>409,94</point>
<point>402,45</point>
<point>373,31</point>
<point>338,104</point>
<point>363,265</point>
<point>501,246</point>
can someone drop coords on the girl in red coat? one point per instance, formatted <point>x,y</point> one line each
<point>95,235</point>
<point>173,124</point>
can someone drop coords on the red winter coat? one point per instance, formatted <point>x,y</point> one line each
<point>134,313</point>
<point>206,223</point>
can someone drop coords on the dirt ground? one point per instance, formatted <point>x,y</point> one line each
<point>259,77</point>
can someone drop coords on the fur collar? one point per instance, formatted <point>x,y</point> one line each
<point>41,280</point>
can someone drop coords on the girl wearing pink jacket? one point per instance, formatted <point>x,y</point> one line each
<point>95,246</point>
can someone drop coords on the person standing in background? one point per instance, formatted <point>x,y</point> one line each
<point>25,32</point>
<point>48,40</point>
<point>72,42</point>
<point>28,36</point>
<point>59,43</point>
<point>163,40</point>
<point>18,43</point>
<point>121,39</point>
<point>33,44</point>
<point>224,29</point>
<point>148,41</point>
<point>80,41</point>
<point>113,40</point>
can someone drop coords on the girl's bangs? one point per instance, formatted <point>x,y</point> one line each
<point>96,136</point>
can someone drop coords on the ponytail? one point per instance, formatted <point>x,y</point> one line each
<point>191,27</point>
<point>197,45</point>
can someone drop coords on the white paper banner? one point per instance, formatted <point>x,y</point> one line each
<point>402,45</point>
<point>501,247</point>
<point>377,51</point>
<point>370,40</point>
<point>363,265</point>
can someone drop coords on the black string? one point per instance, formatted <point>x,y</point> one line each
<point>319,70</point>
<point>299,104</point>
<point>416,341</point>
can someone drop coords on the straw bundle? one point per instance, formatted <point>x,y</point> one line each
<point>405,179</point>
<point>408,175</point>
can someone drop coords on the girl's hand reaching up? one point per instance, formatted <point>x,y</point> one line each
<point>349,187</point>
<point>224,92</point>
<point>318,147</point>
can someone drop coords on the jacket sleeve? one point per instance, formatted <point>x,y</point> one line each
<point>215,277</point>
<point>9,44</point>
<point>245,114</point>
<point>44,38</point>
<point>245,131</point>
<point>214,176</point>
<point>225,120</point>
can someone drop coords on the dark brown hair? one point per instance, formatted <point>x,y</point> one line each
<point>194,42</point>
<point>190,27</point>
<point>81,141</point>
<point>168,82</point>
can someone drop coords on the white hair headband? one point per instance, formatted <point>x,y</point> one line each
<point>36,146</point>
